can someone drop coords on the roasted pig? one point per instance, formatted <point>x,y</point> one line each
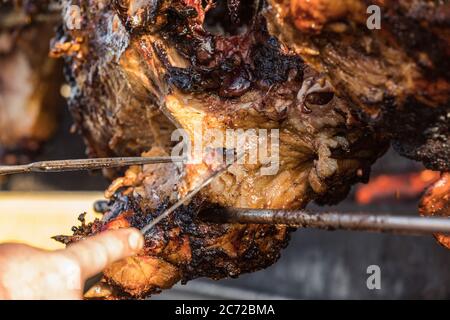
<point>180,247</point>
<point>140,69</point>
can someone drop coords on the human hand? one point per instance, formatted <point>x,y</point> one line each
<point>31,273</point>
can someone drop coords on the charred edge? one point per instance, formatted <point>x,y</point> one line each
<point>218,68</point>
<point>416,139</point>
<point>254,257</point>
<point>415,38</point>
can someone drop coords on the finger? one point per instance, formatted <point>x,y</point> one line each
<point>95,253</point>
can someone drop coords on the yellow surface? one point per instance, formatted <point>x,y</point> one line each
<point>33,218</point>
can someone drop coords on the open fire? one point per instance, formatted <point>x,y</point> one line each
<point>385,187</point>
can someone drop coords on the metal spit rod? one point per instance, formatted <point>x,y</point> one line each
<point>84,164</point>
<point>332,220</point>
<point>303,219</point>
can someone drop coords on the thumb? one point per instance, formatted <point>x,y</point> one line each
<point>95,253</point>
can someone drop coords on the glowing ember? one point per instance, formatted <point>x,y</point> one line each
<point>398,186</point>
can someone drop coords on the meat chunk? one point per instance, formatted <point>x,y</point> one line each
<point>29,81</point>
<point>396,78</point>
<point>140,69</point>
<point>165,68</point>
<point>180,247</point>
<point>113,101</point>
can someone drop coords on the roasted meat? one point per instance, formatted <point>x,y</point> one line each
<point>137,69</point>
<point>397,78</point>
<point>180,248</point>
<point>29,80</point>
<point>140,69</point>
<point>112,98</point>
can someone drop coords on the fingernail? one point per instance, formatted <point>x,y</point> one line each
<point>135,241</point>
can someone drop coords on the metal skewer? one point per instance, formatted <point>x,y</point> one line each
<point>189,195</point>
<point>84,164</point>
<point>332,221</point>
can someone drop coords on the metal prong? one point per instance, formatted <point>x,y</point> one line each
<point>332,221</point>
<point>85,164</point>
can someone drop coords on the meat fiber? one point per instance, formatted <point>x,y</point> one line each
<point>397,78</point>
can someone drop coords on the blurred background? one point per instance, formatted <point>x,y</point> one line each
<point>316,264</point>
